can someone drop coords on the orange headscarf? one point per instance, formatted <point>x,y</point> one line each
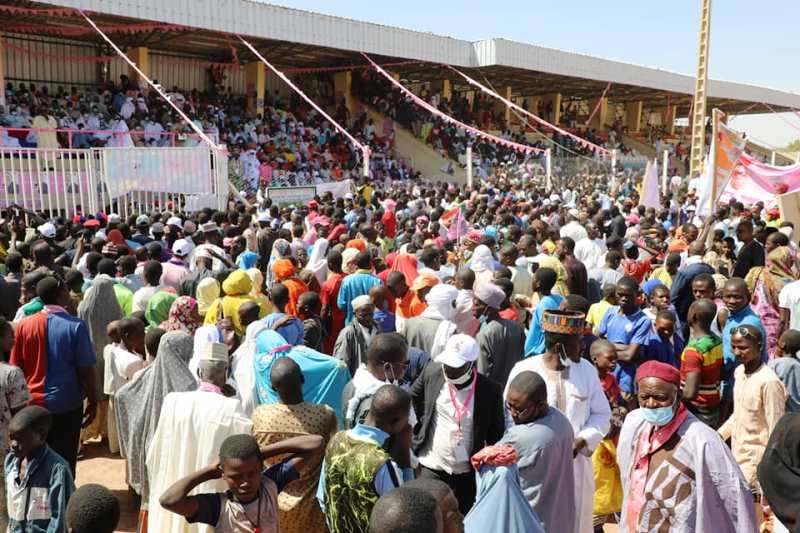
<point>358,244</point>
<point>284,272</point>
<point>423,281</point>
<point>282,269</point>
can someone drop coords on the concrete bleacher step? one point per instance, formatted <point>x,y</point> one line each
<point>421,156</point>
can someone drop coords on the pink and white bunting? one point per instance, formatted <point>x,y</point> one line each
<point>447,118</point>
<point>512,105</point>
<point>363,148</point>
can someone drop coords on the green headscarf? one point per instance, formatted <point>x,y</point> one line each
<point>157,310</point>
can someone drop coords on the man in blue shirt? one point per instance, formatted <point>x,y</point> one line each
<point>55,353</point>
<point>628,328</point>
<point>356,284</point>
<point>543,282</point>
<point>736,298</point>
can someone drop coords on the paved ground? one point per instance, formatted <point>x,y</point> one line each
<point>97,465</point>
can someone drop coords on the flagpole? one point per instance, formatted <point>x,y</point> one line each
<point>712,159</point>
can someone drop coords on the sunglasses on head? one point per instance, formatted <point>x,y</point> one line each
<point>747,333</point>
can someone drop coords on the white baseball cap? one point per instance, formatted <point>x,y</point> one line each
<point>181,248</point>
<point>264,217</point>
<point>114,218</point>
<point>48,229</point>
<point>459,350</point>
<point>175,221</point>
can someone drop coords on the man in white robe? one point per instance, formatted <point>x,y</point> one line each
<point>574,389</point>
<point>591,250</point>
<point>190,431</point>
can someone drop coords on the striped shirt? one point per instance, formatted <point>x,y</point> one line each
<point>704,355</point>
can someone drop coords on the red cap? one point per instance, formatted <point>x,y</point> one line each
<point>657,369</point>
<point>93,223</point>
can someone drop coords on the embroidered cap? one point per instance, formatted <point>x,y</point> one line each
<point>564,322</point>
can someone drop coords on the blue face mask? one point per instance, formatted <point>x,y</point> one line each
<point>660,416</point>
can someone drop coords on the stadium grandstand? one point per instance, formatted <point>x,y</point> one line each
<point>65,81</point>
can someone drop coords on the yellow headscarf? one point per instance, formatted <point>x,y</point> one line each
<point>207,293</point>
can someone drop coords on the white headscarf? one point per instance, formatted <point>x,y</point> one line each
<point>482,259</point>
<point>441,302</point>
<point>318,261</point>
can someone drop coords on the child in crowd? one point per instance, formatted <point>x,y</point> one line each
<point>701,364</point>
<point>543,282</point>
<point>384,318</point>
<point>124,357</point>
<point>151,341</point>
<point>308,308</point>
<point>76,285</point>
<point>31,304</point>
<point>604,357</point>
<point>38,480</point>
<point>607,501</point>
<point>14,397</point>
<point>658,297</point>
<point>786,365</point>
<point>251,503</point>
<point>598,310</point>
<point>92,509</point>
<point>664,344</point>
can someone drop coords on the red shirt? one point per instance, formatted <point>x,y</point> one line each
<point>389,222</point>
<point>611,389</point>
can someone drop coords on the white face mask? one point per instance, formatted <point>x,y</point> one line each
<point>463,379</point>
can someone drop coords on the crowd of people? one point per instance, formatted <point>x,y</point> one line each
<point>412,356</point>
<point>291,144</point>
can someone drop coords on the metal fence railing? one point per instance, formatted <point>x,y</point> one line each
<point>62,182</point>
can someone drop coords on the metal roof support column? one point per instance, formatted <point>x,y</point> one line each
<point>343,88</point>
<point>255,87</point>
<point>633,116</point>
<point>141,56</point>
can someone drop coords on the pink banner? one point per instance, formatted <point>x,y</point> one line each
<point>447,118</point>
<point>512,105</point>
<point>753,181</point>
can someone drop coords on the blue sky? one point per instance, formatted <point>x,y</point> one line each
<point>750,41</point>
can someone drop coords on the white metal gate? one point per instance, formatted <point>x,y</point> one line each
<point>62,182</point>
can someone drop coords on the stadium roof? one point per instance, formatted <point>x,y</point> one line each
<point>296,38</point>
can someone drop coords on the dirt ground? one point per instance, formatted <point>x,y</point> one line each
<point>97,465</point>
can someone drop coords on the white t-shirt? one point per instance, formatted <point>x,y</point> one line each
<point>446,452</point>
<point>789,298</point>
<point>120,367</point>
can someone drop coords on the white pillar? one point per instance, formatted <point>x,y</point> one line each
<point>613,161</point>
<point>365,169</point>
<point>548,154</point>
<point>664,169</point>
<point>773,158</point>
<point>469,166</point>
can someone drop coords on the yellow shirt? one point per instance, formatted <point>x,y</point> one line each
<point>662,275</point>
<point>596,313</point>
<point>608,486</point>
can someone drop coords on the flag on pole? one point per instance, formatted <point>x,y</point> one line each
<point>649,196</point>
<point>453,220</point>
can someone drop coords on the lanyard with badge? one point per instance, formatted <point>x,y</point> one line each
<point>460,411</point>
